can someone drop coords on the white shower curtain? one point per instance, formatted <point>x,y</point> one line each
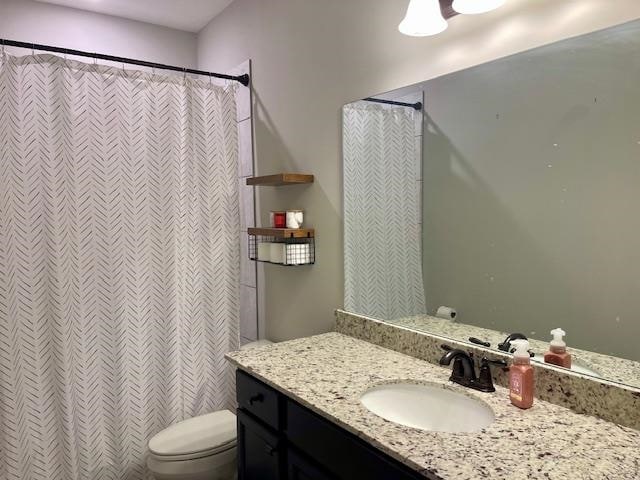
<point>382,234</point>
<point>119,263</point>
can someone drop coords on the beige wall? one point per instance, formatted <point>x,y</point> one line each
<point>309,58</point>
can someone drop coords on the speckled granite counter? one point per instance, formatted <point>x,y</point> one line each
<point>611,368</point>
<point>327,373</point>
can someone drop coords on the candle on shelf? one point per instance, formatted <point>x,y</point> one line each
<point>294,218</point>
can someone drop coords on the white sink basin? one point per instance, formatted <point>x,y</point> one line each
<point>426,407</point>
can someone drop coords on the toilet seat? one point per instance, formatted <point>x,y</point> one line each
<point>194,455</point>
<point>197,437</point>
<point>219,466</point>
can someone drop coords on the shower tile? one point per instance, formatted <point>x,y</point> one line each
<point>245,151</point>
<point>244,67</point>
<point>247,206</point>
<point>243,103</point>
<point>247,267</point>
<point>243,98</point>
<point>248,313</point>
<point>244,341</point>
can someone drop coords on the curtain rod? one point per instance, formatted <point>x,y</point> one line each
<point>243,79</point>
<point>415,106</point>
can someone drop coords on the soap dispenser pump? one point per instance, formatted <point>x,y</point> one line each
<point>557,353</point>
<point>521,376</point>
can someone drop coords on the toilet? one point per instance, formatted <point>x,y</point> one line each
<point>200,448</point>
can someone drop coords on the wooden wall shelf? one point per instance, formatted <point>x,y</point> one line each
<point>282,246</point>
<point>283,232</point>
<point>280,179</point>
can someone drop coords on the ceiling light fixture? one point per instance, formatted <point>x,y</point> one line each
<point>472,7</point>
<point>423,18</point>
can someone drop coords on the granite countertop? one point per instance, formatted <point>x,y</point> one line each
<point>328,373</point>
<point>610,368</point>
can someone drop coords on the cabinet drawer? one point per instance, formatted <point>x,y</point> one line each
<point>341,453</point>
<point>258,399</point>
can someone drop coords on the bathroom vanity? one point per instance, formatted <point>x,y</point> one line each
<point>276,435</point>
<point>300,416</point>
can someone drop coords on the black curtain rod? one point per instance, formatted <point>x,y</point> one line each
<point>243,79</point>
<point>416,106</point>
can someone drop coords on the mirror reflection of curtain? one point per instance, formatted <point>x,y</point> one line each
<point>382,247</point>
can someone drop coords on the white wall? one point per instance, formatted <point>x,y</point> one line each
<point>29,21</point>
<point>309,58</point>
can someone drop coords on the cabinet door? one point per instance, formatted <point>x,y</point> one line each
<point>301,469</point>
<point>258,450</point>
<point>338,451</point>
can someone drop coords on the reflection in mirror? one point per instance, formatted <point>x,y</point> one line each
<point>512,198</point>
<point>383,253</point>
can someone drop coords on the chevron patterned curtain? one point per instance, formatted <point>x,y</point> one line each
<point>119,263</point>
<point>382,234</point>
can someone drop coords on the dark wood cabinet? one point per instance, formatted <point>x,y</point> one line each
<point>280,439</point>
<point>300,468</point>
<point>259,450</point>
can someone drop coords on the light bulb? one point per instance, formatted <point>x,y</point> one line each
<point>471,7</point>
<point>423,18</point>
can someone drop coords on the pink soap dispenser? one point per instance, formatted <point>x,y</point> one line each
<point>521,376</point>
<point>557,353</point>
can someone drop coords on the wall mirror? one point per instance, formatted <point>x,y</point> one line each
<point>509,192</point>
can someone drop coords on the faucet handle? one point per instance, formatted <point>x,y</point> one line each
<point>477,341</point>
<point>457,370</point>
<point>485,380</point>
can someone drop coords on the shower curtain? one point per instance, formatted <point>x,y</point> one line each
<point>382,234</point>
<point>119,263</point>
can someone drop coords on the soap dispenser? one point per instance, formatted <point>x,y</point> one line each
<point>557,354</point>
<point>521,376</point>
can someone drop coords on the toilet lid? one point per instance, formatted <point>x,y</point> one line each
<point>208,433</point>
